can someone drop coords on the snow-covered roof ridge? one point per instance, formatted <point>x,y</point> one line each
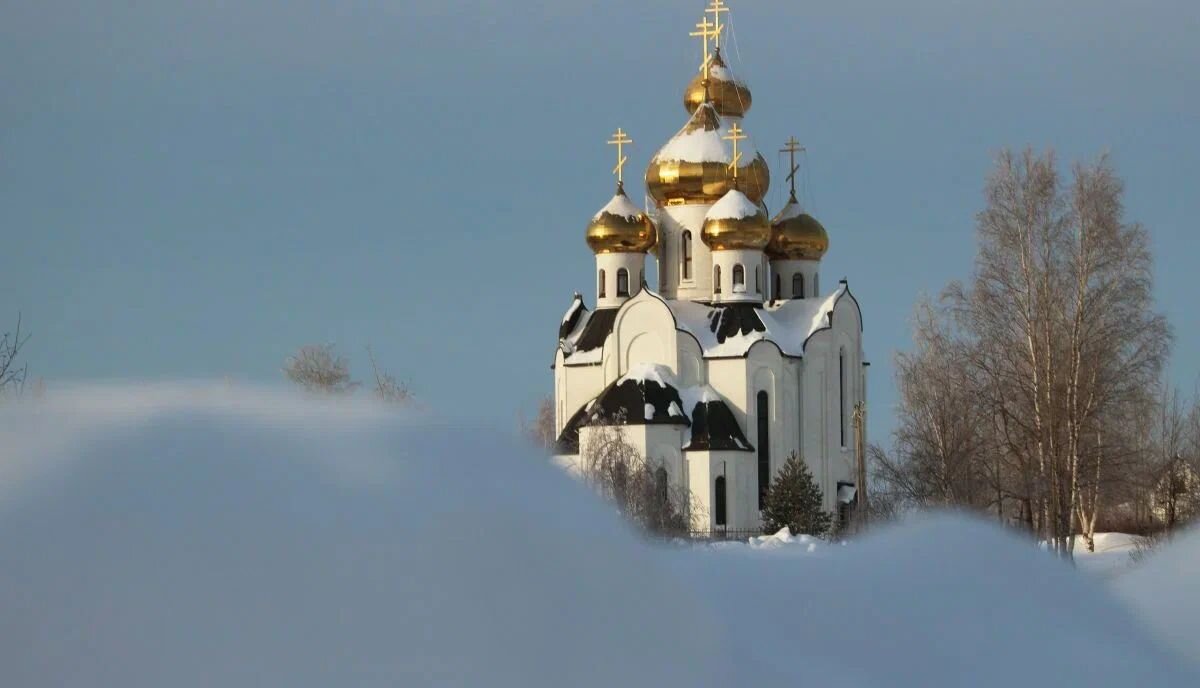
<point>652,372</point>
<point>698,141</point>
<point>727,332</point>
<point>619,206</point>
<point>734,205</point>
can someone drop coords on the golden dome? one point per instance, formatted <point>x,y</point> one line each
<point>796,235</point>
<point>729,96</point>
<point>693,167</point>
<point>621,227</point>
<point>736,222</point>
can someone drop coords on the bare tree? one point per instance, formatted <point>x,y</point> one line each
<point>12,372</point>
<point>540,430</point>
<point>387,388</point>
<point>639,487</point>
<point>318,368</point>
<point>1054,342</point>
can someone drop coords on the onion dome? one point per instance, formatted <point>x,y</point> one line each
<point>693,167</point>
<point>736,222</point>
<point>729,96</point>
<point>621,227</point>
<point>796,235</point>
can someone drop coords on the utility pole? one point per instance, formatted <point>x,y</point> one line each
<point>860,454</point>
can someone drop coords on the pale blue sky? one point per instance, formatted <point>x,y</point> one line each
<point>194,189</point>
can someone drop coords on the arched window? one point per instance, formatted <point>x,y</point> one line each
<point>842,394</point>
<point>622,282</point>
<point>660,485</point>
<point>757,279</point>
<point>739,278</point>
<point>764,447</point>
<point>716,279</point>
<point>797,286</point>
<point>719,500</point>
<point>600,284</point>
<point>685,253</point>
<point>778,293</point>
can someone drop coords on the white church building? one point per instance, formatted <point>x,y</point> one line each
<point>738,357</point>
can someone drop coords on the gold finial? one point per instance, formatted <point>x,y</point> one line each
<point>705,32</point>
<point>791,148</point>
<point>620,140</point>
<point>735,135</point>
<point>716,8</point>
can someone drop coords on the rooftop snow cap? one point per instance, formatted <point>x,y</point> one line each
<point>736,222</point>
<point>693,167</point>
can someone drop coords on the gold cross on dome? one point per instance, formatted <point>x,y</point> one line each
<point>791,148</point>
<point>620,140</point>
<point>705,32</point>
<point>716,8</point>
<point>735,135</point>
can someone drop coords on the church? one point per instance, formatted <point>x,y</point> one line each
<point>739,356</point>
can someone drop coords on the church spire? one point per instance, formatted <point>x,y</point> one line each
<point>620,139</point>
<point>791,147</point>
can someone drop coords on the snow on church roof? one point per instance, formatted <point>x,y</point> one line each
<point>732,206</point>
<point>730,330</point>
<point>699,140</point>
<point>619,206</point>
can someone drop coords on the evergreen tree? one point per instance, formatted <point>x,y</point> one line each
<point>794,500</point>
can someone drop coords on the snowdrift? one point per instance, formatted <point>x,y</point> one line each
<point>1165,593</point>
<point>198,536</point>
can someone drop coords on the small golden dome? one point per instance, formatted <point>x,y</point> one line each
<point>796,235</point>
<point>693,167</point>
<point>736,222</point>
<point>621,227</point>
<point>729,96</point>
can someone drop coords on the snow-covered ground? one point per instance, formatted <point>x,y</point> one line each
<point>197,536</point>
<point>1113,555</point>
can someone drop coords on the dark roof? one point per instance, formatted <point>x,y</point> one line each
<point>714,427</point>
<point>624,403</point>
<point>734,319</point>
<point>599,325</point>
<point>574,313</point>
<point>568,439</point>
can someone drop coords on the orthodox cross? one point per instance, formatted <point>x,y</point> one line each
<point>735,135</point>
<point>716,8</point>
<point>791,148</point>
<point>705,32</point>
<point>620,140</point>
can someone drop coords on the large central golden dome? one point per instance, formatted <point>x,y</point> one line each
<point>693,167</point>
<point>730,97</point>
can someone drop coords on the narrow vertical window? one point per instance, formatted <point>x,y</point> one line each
<point>778,293</point>
<point>764,447</point>
<point>797,286</point>
<point>739,278</point>
<point>685,253</point>
<point>716,279</point>
<point>622,282</point>
<point>842,394</point>
<point>661,485</point>
<point>816,284</point>
<point>757,280</point>
<point>641,278</point>
<point>719,500</point>
<point>600,284</point>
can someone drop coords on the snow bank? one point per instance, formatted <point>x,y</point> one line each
<point>1112,555</point>
<point>196,536</point>
<point>1164,592</point>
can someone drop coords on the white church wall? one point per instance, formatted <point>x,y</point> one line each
<point>644,332</point>
<point>691,370</point>
<point>673,221</point>
<point>610,264</point>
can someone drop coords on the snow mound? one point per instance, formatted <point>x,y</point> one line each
<point>784,538</point>
<point>199,536</point>
<point>1164,592</point>
<point>734,205</point>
